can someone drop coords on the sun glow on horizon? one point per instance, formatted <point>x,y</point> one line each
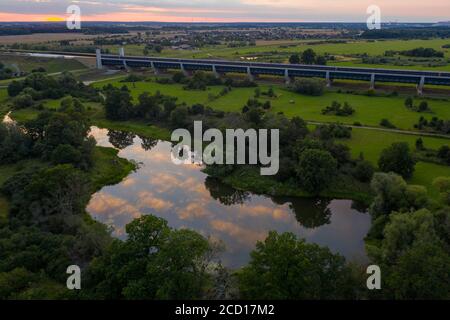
<point>54,19</point>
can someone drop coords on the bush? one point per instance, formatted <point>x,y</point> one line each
<point>363,171</point>
<point>409,103</point>
<point>333,131</point>
<point>179,77</point>
<point>179,117</point>
<point>312,87</point>
<point>315,169</point>
<point>387,124</point>
<point>23,101</point>
<point>397,158</point>
<point>65,154</point>
<point>423,107</point>
<point>337,109</point>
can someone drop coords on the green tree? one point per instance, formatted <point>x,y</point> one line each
<point>443,185</point>
<point>414,255</point>
<point>423,106</point>
<point>23,101</point>
<point>284,267</point>
<point>179,117</point>
<point>49,198</point>
<point>308,56</point>
<point>312,87</point>
<point>14,88</point>
<point>315,169</point>
<point>65,154</point>
<point>155,262</point>
<point>409,103</point>
<point>118,104</point>
<point>294,59</point>
<point>321,60</point>
<point>393,194</point>
<point>364,171</point>
<point>397,158</point>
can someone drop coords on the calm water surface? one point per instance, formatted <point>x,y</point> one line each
<point>188,198</point>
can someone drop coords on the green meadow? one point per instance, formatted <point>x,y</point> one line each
<point>345,52</point>
<point>51,65</point>
<point>369,110</point>
<point>371,143</point>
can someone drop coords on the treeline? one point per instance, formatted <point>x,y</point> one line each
<point>32,28</point>
<point>39,86</point>
<point>47,228</point>
<point>201,80</point>
<point>409,33</point>
<point>418,52</point>
<point>58,47</point>
<point>5,72</point>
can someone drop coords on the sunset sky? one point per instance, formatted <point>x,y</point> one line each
<point>226,10</point>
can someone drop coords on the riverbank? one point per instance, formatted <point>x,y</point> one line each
<point>108,169</point>
<point>247,178</point>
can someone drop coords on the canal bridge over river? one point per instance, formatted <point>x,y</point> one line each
<point>288,71</point>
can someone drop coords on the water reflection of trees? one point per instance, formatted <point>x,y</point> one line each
<point>148,143</point>
<point>224,193</point>
<point>310,213</point>
<point>121,139</point>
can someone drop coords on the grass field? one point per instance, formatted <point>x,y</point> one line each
<point>51,65</point>
<point>3,95</point>
<point>345,52</point>
<point>108,168</point>
<point>371,143</point>
<point>369,110</point>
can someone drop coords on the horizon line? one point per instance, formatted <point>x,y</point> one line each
<point>224,22</point>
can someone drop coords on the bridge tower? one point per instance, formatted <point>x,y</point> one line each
<point>98,55</point>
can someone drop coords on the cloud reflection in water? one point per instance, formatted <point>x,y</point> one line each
<point>187,198</point>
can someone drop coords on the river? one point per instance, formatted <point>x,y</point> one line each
<point>188,198</point>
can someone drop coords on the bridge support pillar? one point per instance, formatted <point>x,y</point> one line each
<point>98,55</point>
<point>214,70</point>
<point>328,79</point>
<point>250,76</point>
<point>155,70</point>
<point>287,78</point>
<point>420,86</point>
<point>121,55</point>
<point>185,72</point>
<point>372,82</point>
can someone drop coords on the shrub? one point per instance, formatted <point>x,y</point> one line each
<point>363,171</point>
<point>397,158</point>
<point>387,124</point>
<point>315,169</point>
<point>312,87</point>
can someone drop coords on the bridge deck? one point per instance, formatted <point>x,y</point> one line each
<point>286,70</point>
